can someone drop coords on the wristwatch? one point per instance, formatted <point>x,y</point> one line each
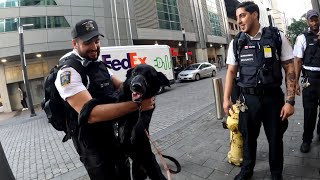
<point>291,102</point>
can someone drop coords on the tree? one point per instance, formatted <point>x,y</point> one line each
<point>296,28</point>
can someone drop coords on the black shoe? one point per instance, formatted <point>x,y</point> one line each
<point>305,147</point>
<point>277,177</point>
<point>244,175</point>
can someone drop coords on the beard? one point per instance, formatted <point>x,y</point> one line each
<point>86,54</point>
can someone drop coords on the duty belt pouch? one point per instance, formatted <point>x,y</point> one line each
<point>235,93</point>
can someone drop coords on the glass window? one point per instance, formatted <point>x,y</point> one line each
<point>51,2</point>
<point>57,21</point>
<point>32,2</point>
<point>163,16</point>
<point>173,10</point>
<point>38,22</point>
<point>10,25</point>
<point>7,25</point>
<point>162,1</point>
<point>175,26</point>
<point>162,7</point>
<point>172,2</point>
<point>9,3</point>
<point>164,24</point>
<point>15,3</point>
<point>174,17</point>
<point>168,14</point>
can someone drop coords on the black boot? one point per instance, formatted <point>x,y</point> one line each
<point>244,175</point>
<point>305,147</point>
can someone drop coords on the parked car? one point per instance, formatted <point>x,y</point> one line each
<point>176,71</point>
<point>197,71</point>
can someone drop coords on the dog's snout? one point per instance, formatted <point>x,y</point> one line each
<point>136,86</point>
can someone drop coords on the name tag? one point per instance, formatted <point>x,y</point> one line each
<point>267,52</point>
<point>249,47</point>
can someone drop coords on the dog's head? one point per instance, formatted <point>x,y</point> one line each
<point>145,82</point>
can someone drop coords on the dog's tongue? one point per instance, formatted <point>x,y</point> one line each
<point>136,96</point>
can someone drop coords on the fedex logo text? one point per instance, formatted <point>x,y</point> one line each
<point>131,61</point>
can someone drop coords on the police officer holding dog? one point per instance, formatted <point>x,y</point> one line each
<point>81,89</point>
<point>307,53</point>
<point>259,52</point>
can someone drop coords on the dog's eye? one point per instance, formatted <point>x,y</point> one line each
<point>134,74</point>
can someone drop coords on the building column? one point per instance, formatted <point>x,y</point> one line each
<point>4,91</point>
<point>201,55</point>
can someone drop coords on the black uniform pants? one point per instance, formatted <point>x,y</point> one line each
<point>311,101</point>
<point>263,109</point>
<point>103,162</point>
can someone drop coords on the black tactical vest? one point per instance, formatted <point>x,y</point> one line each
<point>96,78</point>
<point>259,61</point>
<point>312,53</point>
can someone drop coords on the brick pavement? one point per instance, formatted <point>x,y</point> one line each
<point>195,137</point>
<point>201,146</point>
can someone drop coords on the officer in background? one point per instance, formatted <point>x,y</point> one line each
<point>97,148</point>
<point>261,97</point>
<point>307,53</point>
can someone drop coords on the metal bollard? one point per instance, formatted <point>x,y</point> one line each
<point>5,170</point>
<point>218,93</point>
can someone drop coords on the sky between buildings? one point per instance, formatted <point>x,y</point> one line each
<point>294,8</point>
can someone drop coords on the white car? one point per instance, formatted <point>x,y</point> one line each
<point>197,71</point>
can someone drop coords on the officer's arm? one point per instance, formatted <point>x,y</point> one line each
<point>102,112</point>
<point>289,69</point>
<point>298,53</point>
<point>297,67</point>
<point>116,82</point>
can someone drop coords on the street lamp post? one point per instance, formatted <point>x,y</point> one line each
<point>185,45</point>
<point>24,69</point>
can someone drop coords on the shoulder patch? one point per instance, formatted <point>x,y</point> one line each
<point>65,78</point>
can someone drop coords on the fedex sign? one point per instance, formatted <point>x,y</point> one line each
<point>131,61</point>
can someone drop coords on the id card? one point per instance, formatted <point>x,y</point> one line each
<point>267,52</point>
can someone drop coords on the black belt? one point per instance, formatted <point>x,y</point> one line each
<point>260,91</point>
<point>311,74</point>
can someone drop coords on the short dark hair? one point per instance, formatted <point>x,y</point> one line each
<point>250,7</point>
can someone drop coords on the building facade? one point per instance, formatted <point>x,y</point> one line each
<point>123,22</point>
<point>316,5</point>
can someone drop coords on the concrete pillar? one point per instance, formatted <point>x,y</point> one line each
<point>201,55</point>
<point>4,91</point>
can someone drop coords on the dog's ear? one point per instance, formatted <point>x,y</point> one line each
<point>164,81</point>
<point>129,73</point>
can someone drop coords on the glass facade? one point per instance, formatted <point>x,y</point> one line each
<point>7,25</point>
<point>214,18</point>
<point>17,3</point>
<point>168,14</point>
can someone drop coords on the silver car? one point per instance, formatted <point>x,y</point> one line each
<point>197,71</point>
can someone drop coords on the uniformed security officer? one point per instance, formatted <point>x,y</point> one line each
<point>307,53</point>
<point>96,146</point>
<point>261,98</point>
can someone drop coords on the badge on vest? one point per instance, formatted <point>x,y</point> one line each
<point>249,47</point>
<point>65,78</point>
<point>267,52</point>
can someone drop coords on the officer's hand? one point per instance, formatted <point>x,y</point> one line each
<point>148,104</point>
<point>227,104</point>
<point>286,111</point>
<point>298,90</point>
